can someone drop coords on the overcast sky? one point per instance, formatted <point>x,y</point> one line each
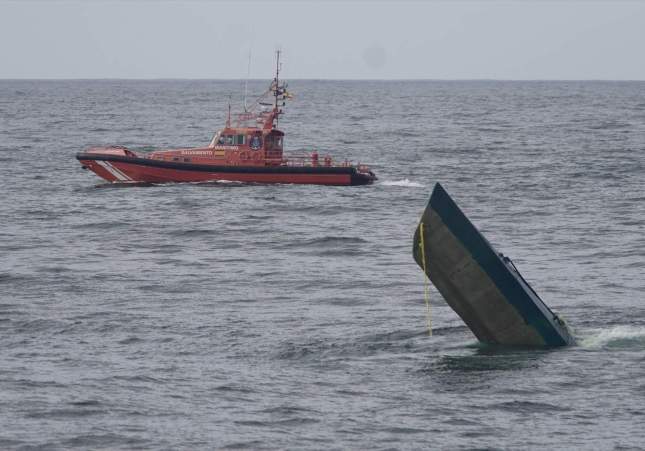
<point>517,39</point>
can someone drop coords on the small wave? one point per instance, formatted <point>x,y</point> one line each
<point>333,240</point>
<point>333,246</point>
<point>611,125</point>
<point>288,410</point>
<point>193,233</point>
<point>221,183</point>
<point>527,406</point>
<point>9,277</point>
<point>120,185</point>
<point>405,183</point>
<point>89,402</point>
<point>618,336</point>
<point>233,387</point>
<point>101,225</point>
<point>130,340</point>
<point>244,445</point>
<point>362,346</point>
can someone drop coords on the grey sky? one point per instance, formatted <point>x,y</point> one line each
<point>358,39</point>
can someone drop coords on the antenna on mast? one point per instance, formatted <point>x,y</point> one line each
<point>276,90</point>
<point>246,82</point>
<point>228,119</point>
<point>277,77</point>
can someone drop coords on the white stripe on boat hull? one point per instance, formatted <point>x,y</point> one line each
<point>114,171</point>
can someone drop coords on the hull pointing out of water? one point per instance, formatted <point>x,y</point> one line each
<point>482,286</point>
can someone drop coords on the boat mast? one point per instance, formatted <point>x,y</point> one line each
<point>246,82</point>
<point>276,91</point>
<point>228,119</point>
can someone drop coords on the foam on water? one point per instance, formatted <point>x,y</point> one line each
<point>623,336</point>
<point>405,183</point>
<point>218,315</point>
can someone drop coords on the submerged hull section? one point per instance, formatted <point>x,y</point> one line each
<point>483,287</point>
<point>117,168</point>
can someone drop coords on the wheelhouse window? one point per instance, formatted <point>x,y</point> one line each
<point>231,140</point>
<point>274,142</point>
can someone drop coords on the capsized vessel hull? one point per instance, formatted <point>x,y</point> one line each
<point>481,285</point>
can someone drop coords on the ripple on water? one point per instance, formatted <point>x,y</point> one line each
<point>249,316</point>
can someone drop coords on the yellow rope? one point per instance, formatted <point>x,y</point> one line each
<point>426,286</point>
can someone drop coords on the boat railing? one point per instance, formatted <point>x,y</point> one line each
<point>297,160</point>
<point>309,161</point>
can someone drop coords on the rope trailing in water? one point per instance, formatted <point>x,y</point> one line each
<point>426,284</point>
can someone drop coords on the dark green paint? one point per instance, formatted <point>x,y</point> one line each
<point>484,254</point>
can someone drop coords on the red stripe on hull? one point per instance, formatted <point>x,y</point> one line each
<point>140,173</point>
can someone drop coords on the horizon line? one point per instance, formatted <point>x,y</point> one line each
<point>312,79</point>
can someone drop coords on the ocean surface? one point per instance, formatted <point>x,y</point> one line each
<point>246,316</point>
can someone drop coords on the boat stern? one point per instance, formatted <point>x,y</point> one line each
<point>363,175</point>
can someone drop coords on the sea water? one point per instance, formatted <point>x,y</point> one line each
<point>228,315</point>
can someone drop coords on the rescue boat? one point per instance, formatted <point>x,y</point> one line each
<point>247,149</point>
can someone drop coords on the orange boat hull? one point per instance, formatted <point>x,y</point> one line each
<point>126,169</point>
